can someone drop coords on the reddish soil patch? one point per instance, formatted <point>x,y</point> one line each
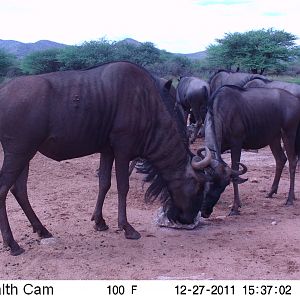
<point>262,243</point>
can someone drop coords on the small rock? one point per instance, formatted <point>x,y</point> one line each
<point>274,223</point>
<point>48,241</point>
<point>254,180</point>
<point>162,221</point>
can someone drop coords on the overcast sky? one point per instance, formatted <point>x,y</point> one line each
<point>182,26</point>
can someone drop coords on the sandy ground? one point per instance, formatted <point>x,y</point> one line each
<point>261,243</point>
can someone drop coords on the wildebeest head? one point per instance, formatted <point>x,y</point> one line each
<point>190,188</point>
<point>220,176</point>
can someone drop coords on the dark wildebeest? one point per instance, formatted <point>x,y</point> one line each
<point>293,88</point>
<point>223,77</point>
<point>115,109</point>
<point>192,94</point>
<point>250,118</point>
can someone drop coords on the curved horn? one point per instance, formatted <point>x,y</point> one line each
<point>199,164</point>
<point>236,173</point>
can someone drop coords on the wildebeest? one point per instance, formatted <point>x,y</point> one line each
<point>293,88</point>
<point>192,94</point>
<point>115,109</point>
<point>250,118</point>
<point>224,77</point>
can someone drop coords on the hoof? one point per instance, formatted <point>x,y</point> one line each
<point>16,251</point>
<point>43,233</point>
<point>133,235</point>
<point>271,193</point>
<point>234,213</point>
<point>289,203</point>
<point>101,227</point>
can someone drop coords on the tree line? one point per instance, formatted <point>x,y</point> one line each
<point>256,51</point>
<point>93,53</point>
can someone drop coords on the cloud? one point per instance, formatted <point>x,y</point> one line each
<point>273,14</point>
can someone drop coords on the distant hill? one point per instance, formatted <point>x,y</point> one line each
<point>197,55</point>
<point>22,49</point>
<point>130,41</point>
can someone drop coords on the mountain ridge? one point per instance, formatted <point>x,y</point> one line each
<point>20,49</point>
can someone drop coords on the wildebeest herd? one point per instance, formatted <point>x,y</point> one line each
<point>120,110</point>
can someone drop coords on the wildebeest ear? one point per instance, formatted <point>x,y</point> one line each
<point>168,84</point>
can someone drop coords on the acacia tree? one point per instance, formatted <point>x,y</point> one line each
<point>6,61</point>
<point>86,55</point>
<point>254,51</point>
<point>39,62</point>
<point>147,54</point>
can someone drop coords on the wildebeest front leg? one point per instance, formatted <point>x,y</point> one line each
<point>13,165</point>
<point>289,144</point>
<point>106,162</point>
<point>280,159</point>
<point>19,190</point>
<point>122,165</point>
<point>235,158</point>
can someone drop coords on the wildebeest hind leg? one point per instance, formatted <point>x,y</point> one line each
<point>19,190</point>
<point>106,162</point>
<point>280,159</point>
<point>122,165</point>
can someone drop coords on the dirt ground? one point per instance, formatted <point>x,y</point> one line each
<point>261,243</point>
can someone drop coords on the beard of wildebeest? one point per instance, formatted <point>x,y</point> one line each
<point>115,109</point>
